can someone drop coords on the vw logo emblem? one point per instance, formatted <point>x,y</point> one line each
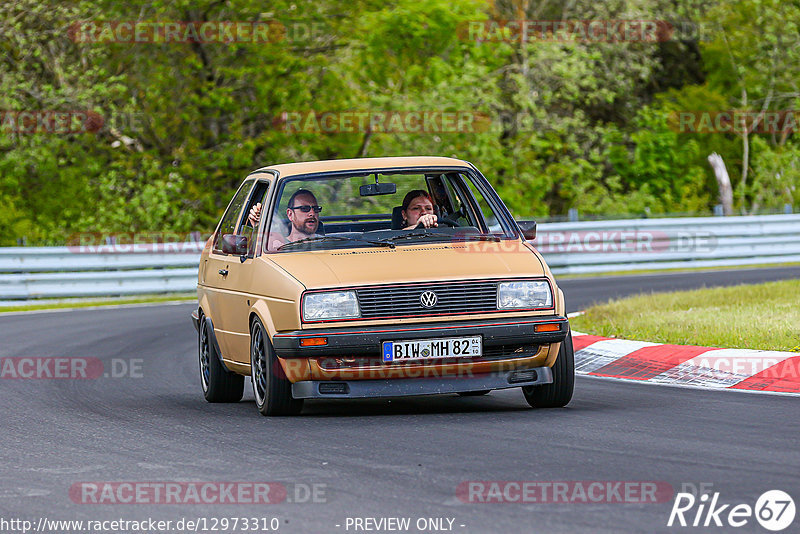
<point>428,299</point>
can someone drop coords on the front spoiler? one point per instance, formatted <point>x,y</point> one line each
<point>360,389</point>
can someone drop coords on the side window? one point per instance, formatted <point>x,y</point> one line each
<point>470,205</point>
<point>441,191</point>
<point>460,211</point>
<point>231,217</point>
<point>483,206</point>
<point>259,196</point>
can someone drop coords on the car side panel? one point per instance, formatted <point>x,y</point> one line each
<point>222,298</point>
<point>256,286</point>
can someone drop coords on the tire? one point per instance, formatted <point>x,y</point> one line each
<point>559,393</point>
<point>474,393</point>
<point>219,384</point>
<point>271,388</point>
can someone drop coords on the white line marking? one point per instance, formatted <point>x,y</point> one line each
<point>603,352</point>
<point>714,369</point>
<point>688,386</point>
<point>104,306</point>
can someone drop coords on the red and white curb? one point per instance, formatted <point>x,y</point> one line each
<point>763,371</point>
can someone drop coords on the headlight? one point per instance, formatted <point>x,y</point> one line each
<point>330,305</point>
<point>528,294</point>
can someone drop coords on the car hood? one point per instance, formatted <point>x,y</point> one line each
<point>424,262</point>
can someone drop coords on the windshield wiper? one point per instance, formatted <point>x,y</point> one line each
<point>324,238</point>
<point>310,239</point>
<point>456,238</point>
<point>376,243</point>
<point>413,235</point>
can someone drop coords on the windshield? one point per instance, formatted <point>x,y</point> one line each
<point>381,210</point>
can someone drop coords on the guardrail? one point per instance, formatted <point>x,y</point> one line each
<point>626,245</point>
<point>95,271</point>
<point>574,247</point>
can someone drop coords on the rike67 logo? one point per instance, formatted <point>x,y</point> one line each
<point>774,510</point>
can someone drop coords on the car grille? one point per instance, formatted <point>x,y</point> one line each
<point>451,298</point>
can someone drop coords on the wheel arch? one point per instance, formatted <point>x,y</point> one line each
<point>561,305</point>
<point>203,306</point>
<point>295,369</point>
<point>561,309</point>
<point>261,310</point>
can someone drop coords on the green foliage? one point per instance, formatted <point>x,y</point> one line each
<point>662,168</point>
<point>573,124</point>
<point>776,180</point>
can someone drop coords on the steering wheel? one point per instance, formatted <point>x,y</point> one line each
<point>440,220</point>
<point>460,212</point>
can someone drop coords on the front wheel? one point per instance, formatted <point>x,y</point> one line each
<point>219,384</point>
<point>559,393</point>
<point>271,388</point>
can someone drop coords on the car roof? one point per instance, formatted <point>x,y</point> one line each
<point>334,165</point>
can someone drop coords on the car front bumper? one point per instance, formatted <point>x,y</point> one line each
<point>355,341</point>
<point>355,389</point>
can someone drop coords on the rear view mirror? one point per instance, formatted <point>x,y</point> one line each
<point>234,244</point>
<point>370,190</point>
<point>528,229</point>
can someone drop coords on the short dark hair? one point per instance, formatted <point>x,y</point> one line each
<point>298,193</point>
<point>411,195</point>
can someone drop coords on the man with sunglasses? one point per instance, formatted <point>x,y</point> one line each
<point>302,211</point>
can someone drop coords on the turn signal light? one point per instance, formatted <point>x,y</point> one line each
<point>313,341</point>
<point>549,327</point>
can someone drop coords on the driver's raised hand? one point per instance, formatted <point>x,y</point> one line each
<point>428,220</point>
<point>255,215</point>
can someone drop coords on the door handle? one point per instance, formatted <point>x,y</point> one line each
<point>223,272</point>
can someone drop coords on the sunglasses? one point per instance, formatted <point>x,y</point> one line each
<point>306,209</point>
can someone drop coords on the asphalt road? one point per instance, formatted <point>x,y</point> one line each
<point>582,292</point>
<point>399,458</point>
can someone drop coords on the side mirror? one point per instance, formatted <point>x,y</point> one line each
<point>234,244</point>
<point>528,229</point>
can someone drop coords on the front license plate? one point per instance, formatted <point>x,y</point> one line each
<point>426,349</point>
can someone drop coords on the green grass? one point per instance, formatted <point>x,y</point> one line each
<point>764,316</point>
<point>92,302</point>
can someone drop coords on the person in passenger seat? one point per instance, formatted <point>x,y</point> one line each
<point>302,212</point>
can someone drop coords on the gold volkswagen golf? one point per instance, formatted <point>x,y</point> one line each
<point>378,277</point>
